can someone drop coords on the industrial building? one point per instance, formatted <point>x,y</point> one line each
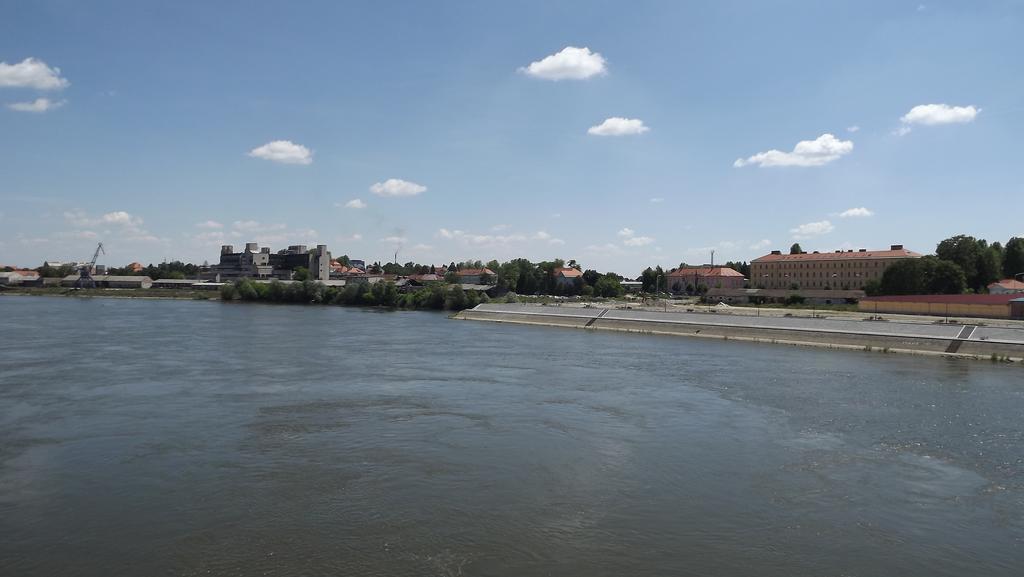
<point>834,270</point>
<point>259,263</point>
<point>18,277</point>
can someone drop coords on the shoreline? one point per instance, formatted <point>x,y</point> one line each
<point>993,344</point>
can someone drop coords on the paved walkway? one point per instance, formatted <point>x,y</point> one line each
<point>857,326</point>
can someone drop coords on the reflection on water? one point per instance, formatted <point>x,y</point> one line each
<point>189,438</point>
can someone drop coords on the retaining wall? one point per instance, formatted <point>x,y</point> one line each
<point>827,339</point>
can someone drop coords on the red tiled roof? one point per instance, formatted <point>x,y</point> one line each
<point>567,272</point>
<point>475,271</point>
<point>846,255</point>
<point>26,272</point>
<point>1009,284</point>
<point>951,299</point>
<point>719,271</point>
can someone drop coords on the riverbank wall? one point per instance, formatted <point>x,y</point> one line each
<point>968,341</point>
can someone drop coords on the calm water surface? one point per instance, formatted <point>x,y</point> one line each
<point>195,438</point>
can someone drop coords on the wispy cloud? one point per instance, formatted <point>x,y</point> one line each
<point>859,212</point>
<point>570,63</point>
<point>812,229</point>
<point>630,238</point>
<point>209,224</point>
<point>38,105</point>
<point>818,152</point>
<point>355,203</point>
<point>397,187</point>
<point>761,244</point>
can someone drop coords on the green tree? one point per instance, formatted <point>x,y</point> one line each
<point>1013,257</point>
<point>649,280</point>
<point>608,286</point>
<point>926,275</point>
<point>795,249</point>
<point>455,300</point>
<point>966,252</point>
<point>945,278</point>
<point>300,274</point>
<point>990,265</point>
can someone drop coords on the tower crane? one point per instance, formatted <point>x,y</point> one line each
<point>85,279</point>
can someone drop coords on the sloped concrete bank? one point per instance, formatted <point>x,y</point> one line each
<point>966,341</point>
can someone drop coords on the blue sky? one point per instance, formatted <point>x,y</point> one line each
<point>151,126</point>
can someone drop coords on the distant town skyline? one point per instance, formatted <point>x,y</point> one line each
<point>622,135</point>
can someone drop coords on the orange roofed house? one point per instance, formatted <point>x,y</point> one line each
<point>680,279</point>
<point>1006,286</point>
<point>476,275</point>
<point>834,270</point>
<point>566,276</point>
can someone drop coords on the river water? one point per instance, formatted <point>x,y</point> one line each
<point>146,437</point>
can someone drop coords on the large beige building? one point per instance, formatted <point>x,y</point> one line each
<point>817,270</point>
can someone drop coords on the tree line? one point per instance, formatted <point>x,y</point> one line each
<point>961,264</point>
<point>385,294</point>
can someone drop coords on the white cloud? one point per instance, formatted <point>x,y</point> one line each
<point>630,239</point>
<point>422,247</point>
<point>570,64</point>
<point>253,225</point>
<point>211,238</point>
<point>78,234</point>
<point>209,224</point>
<point>638,241</point>
<point>283,151</point>
<point>499,227</point>
<point>818,152</point>
<point>812,229</point>
<point>119,224</point>
<point>37,105</point>
<point>397,187</point>
<point>121,217</point>
<point>761,244</point>
<point>855,212</point>
<point>936,114</point>
<point>31,73</point>
<point>853,128</point>
<point>618,126</point>
<point>355,203</point>
<point>607,248</point>
<point>394,239</point>
<point>657,200</point>
<point>545,236</point>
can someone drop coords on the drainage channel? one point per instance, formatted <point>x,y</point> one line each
<point>965,334</point>
<point>591,321</point>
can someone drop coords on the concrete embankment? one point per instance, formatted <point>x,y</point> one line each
<point>969,340</point>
